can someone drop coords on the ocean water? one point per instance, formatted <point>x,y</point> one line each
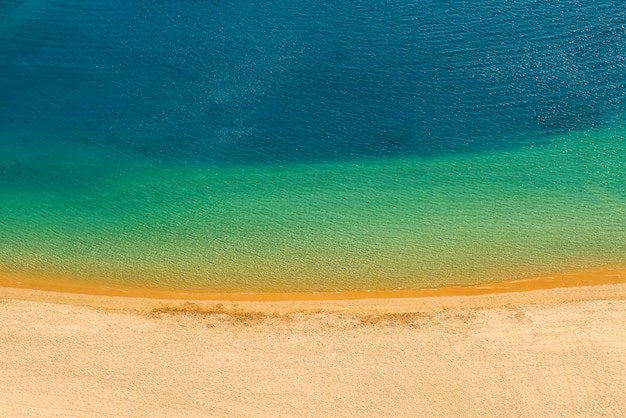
<point>247,146</point>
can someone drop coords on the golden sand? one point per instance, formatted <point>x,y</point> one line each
<point>551,352</point>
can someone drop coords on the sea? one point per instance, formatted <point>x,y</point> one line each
<point>310,145</point>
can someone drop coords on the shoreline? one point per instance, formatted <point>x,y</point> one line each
<point>592,277</point>
<point>589,285</point>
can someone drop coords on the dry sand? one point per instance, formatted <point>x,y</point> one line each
<point>558,352</point>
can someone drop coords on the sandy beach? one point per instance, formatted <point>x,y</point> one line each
<point>552,352</point>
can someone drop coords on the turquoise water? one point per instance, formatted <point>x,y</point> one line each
<point>248,146</point>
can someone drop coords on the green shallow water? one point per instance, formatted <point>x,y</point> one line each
<point>370,224</point>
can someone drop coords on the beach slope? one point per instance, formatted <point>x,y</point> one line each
<point>557,352</point>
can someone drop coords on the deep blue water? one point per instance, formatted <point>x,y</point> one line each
<point>268,82</point>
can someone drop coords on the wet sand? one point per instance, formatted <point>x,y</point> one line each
<point>544,352</point>
<point>569,279</point>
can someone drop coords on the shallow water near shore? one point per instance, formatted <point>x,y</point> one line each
<point>315,152</point>
<point>374,224</point>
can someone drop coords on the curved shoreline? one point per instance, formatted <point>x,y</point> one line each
<point>19,287</point>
